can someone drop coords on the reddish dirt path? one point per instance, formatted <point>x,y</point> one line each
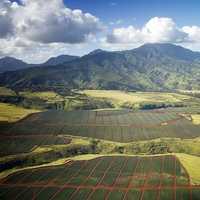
<point>55,178</point>
<point>117,178</point>
<point>161,177</point>
<point>129,184</point>
<point>87,178</point>
<point>72,176</point>
<point>146,179</point>
<point>110,188</point>
<point>174,190</point>
<point>101,179</point>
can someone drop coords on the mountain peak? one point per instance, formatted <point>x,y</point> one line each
<point>9,58</point>
<point>161,46</point>
<point>60,59</point>
<point>96,51</point>
<point>11,64</point>
<point>167,49</point>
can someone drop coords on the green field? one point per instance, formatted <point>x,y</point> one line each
<point>109,177</point>
<point>139,99</point>
<point>113,125</point>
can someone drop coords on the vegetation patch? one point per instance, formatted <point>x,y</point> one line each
<point>120,97</point>
<point>6,92</point>
<point>12,113</point>
<point>191,163</point>
<point>196,119</point>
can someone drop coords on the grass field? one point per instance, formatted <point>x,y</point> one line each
<point>196,119</point>
<point>191,163</point>
<point>119,97</point>
<point>113,125</point>
<point>12,113</point>
<point>48,96</point>
<point>108,177</point>
<point>6,92</point>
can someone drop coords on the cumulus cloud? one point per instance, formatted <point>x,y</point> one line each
<point>155,30</point>
<point>46,22</point>
<point>124,35</point>
<point>193,33</point>
<point>30,28</point>
<point>162,30</point>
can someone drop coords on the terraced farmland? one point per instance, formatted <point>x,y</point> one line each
<point>114,125</point>
<point>109,177</point>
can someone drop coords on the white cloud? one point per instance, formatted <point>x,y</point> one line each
<point>35,27</point>
<point>155,30</point>
<point>162,30</point>
<point>124,35</point>
<point>47,22</point>
<point>193,33</point>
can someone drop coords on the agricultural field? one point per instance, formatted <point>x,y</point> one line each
<point>114,125</point>
<point>105,177</point>
<point>23,144</point>
<point>111,152</point>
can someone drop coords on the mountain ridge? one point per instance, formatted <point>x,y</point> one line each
<point>60,59</point>
<point>148,68</point>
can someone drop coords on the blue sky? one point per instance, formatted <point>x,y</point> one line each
<point>182,11</point>
<point>34,30</point>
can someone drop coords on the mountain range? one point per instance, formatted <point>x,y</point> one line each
<point>12,64</point>
<point>151,67</point>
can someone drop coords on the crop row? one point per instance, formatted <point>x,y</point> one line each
<point>127,176</point>
<point>51,193</point>
<point>11,145</point>
<point>121,127</point>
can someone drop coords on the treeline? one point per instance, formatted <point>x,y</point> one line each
<point>32,103</point>
<point>150,106</point>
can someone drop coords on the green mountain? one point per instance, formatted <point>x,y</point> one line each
<point>149,67</point>
<point>60,59</point>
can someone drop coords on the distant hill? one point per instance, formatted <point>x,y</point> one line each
<point>149,67</point>
<point>11,64</point>
<point>60,60</point>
